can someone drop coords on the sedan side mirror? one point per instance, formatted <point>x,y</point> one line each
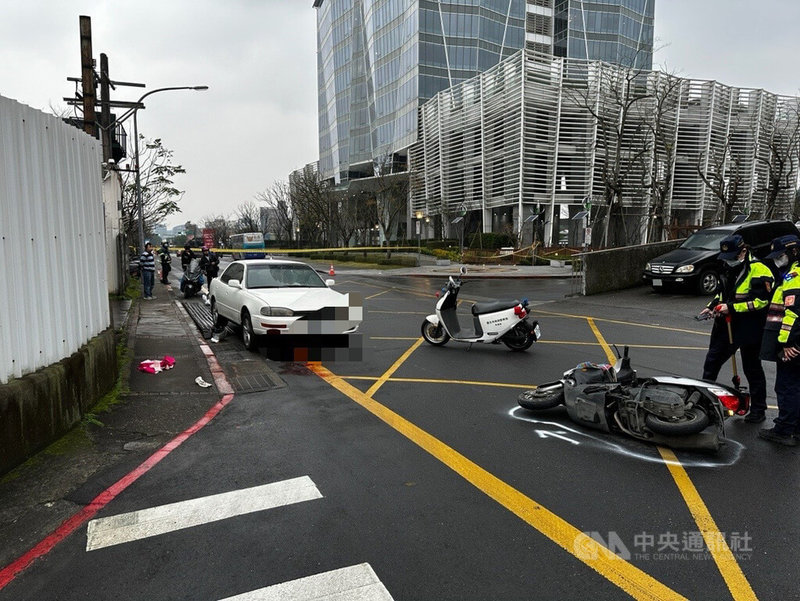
<point>329,282</point>
<point>235,284</point>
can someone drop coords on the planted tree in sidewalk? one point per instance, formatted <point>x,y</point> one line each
<point>617,98</point>
<point>781,161</point>
<point>311,201</point>
<point>391,195</point>
<point>160,196</point>
<point>722,172</point>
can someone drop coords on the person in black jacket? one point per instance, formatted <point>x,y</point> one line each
<point>187,254</point>
<point>209,263</point>
<point>166,262</point>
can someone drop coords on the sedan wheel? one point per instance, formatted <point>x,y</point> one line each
<point>248,337</point>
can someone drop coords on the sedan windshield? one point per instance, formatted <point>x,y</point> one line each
<point>282,276</point>
<point>704,240</point>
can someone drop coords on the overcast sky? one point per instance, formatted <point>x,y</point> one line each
<point>258,121</point>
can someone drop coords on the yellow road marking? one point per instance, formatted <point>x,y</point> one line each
<point>395,366</point>
<point>434,381</point>
<point>378,294</point>
<point>715,540</point>
<point>653,346</point>
<point>626,576</point>
<point>607,349</point>
<point>625,323</point>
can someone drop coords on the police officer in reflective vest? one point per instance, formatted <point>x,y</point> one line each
<point>742,298</point>
<point>781,340</point>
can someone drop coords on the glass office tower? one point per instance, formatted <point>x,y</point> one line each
<point>379,60</point>
<point>615,31</point>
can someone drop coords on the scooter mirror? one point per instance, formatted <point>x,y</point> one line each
<point>463,270</point>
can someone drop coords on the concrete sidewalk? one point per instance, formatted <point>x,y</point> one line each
<point>151,410</point>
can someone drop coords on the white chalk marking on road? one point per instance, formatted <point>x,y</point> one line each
<point>548,433</point>
<point>127,527</point>
<point>356,583</point>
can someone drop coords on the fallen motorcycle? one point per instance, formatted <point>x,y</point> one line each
<point>673,411</point>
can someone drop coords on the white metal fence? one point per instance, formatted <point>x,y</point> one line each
<point>53,289</point>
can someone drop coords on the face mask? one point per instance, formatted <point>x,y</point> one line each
<point>781,261</point>
<point>733,262</point>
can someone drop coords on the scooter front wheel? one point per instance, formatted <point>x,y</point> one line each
<point>545,396</point>
<point>434,334</point>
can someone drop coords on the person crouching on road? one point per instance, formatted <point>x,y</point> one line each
<point>742,297</point>
<point>148,265</point>
<point>166,262</point>
<point>781,339</point>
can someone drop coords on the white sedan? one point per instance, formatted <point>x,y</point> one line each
<point>271,297</point>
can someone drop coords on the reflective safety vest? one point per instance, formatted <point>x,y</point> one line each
<point>752,289</point>
<point>788,296</point>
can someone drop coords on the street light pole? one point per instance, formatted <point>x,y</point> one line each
<point>135,111</point>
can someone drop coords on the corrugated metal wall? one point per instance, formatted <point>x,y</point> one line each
<point>53,288</point>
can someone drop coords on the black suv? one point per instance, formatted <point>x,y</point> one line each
<point>694,263</point>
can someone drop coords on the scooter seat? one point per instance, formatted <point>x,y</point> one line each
<point>481,308</point>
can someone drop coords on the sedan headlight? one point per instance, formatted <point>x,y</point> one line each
<point>685,269</point>
<point>647,266</point>
<point>276,312</point>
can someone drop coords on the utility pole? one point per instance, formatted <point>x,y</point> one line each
<point>105,108</point>
<point>87,76</point>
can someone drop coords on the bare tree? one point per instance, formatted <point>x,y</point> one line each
<point>278,201</point>
<point>311,200</point>
<point>617,99</point>
<point>247,217</point>
<point>222,228</point>
<point>782,160</point>
<point>657,176</point>
<point>723,175</point>
<point>160,197</point>
<point>391,196</point>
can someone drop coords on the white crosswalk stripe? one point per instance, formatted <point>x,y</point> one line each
<point>355,583</point>
<point>136,525</point>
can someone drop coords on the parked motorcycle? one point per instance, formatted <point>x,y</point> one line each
<point>672,411</point>
<point>192,280</point>
<point>496,321</point>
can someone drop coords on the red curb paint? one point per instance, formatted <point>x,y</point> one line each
<point>68,526</point>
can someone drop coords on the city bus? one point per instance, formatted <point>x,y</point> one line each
<point>249,242</point>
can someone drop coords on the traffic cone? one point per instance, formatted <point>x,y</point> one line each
<point>331,271</point>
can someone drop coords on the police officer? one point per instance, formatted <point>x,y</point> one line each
<point>781,339</point>
<point>166,262</point>
<point>742,298</point>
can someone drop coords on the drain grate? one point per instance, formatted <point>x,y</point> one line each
<point>200,314</point>
<point>252,376</point>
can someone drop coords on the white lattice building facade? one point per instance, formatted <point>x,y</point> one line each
<point>538,132</point>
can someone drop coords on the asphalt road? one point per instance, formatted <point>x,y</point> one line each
<point>417,462</point>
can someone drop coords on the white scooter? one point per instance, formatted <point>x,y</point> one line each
<point>493,322</point>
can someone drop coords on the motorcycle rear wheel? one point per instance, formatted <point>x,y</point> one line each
<point>434,334</point>
<point>518,338</point>
<point>546,396</point>
<point>695,420</point>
